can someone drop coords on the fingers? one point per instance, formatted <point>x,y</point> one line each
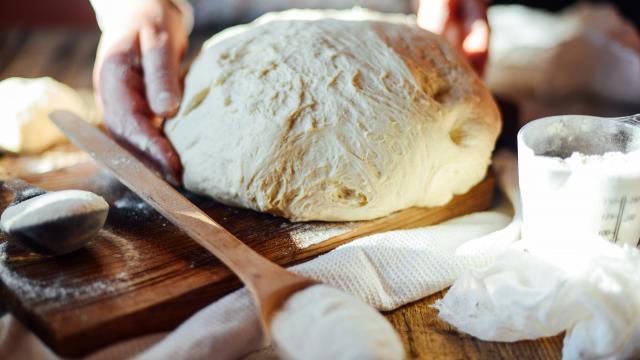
<point>126,113</point>
<point>162,45</point>
<point>161,68</point>
<point>137,80</point>
<point>150,146</point>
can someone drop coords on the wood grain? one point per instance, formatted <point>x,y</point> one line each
<point>141,265</point>
<point>269,284</point>
<point>425,336</point>
<point>22,54</point>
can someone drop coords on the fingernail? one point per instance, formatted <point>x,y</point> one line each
<point>166,102</point>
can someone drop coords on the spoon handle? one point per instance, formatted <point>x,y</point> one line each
<point>269,283</point>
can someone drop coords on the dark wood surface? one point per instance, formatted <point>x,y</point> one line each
<point>68,56</point>
<point>140,265</point>
<point>425,336</point>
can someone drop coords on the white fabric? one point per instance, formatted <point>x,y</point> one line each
<point>569,279</point>
<point>111,14</point>
<point>385,270</point>
<point>583,285</point>
<point>583,60</point>
<point>547,54</point>
<point>322,322</point>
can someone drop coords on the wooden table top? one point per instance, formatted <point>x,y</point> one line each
<point>68,55</point>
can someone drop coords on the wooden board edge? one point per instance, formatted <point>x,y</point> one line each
<point>479,198</point>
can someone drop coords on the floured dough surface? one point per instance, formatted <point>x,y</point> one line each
<point>24,107</point>
<point>332,115</point>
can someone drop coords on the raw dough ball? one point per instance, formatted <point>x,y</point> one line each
<point>24,108</point>
<point>332,115</point>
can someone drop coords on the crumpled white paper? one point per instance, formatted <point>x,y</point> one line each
<point>583,285</point>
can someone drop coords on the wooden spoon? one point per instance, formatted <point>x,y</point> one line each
<point>270,284</point>
<point>50,223</point>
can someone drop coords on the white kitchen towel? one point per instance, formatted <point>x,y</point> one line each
<point>386,270</point>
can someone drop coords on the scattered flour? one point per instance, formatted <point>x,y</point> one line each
<point>314,233</point>
<point>62,286</point>
<point>120,161</point>
<point>31,289</point>
<point>614,161</point>
<point>131,201</point>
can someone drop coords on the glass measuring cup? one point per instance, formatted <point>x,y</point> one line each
<point>580,175</point>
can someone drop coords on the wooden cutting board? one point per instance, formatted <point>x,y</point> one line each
<point>143,275</point>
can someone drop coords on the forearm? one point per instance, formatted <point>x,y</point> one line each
<point>111,14</point>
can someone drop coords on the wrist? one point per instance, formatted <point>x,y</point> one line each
<point>118,15</point>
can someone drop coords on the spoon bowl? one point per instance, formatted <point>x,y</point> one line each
<point>51,223</point>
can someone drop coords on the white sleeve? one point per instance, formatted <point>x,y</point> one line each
<point>109,13</point>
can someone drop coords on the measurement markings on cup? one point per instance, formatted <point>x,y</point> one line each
<point>621,213</point>
<point>616,231</point>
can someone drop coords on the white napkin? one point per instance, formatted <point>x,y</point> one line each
<point>584,285</point>
<point>386,270</point>
<point>546,284</point>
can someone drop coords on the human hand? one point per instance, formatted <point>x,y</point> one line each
<point>137,76</point>
<point>463,23</point>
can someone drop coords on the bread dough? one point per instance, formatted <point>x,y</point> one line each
<point>24,108</point>
<point>332,115</point>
